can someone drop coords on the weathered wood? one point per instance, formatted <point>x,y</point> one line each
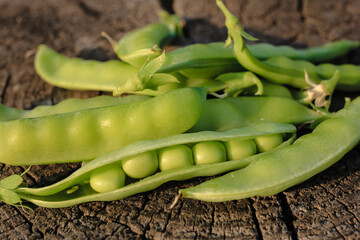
<point>324,207</point>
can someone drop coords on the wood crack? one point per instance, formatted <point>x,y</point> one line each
<point>288,216</point>
<point>167,5</point>
<point>300,8</point>
<point>258,232</point>
<point>346,208</point>
<point>212,220</point>
<point>31,225</point>
<point>88,11</point>
<point>6,85</point>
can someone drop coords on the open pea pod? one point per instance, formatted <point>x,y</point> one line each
<point>275,171</point>
<point>75,189</point>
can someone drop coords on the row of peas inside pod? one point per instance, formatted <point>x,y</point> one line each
<point>142,165</point>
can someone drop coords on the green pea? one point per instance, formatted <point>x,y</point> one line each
<point>141,165</point>
<point>209,152</point>
<point>174,157</point>
<point>107,179</point>
<point>237,149</point>
<point>268,142</point>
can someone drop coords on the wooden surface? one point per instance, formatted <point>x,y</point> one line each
<point>325,207</point>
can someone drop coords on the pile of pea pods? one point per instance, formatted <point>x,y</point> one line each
<point>229,109</point>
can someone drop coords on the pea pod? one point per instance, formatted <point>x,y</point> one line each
<point>201,60</point>
<point>323,53</point>
<point>80,74</point>
<point>212,59</point>
<point>283,70</point>
<point>66,106</point>
<point>278,170</point>
<point>144,44</point>
<point>75,189</point>
<point>273,90</point>
<point>87,134</point>
<point>224,114</point>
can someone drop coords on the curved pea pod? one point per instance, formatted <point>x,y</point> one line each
<point>144,44</point>
<point>87,134</point>
<point>209,60</point>
<point>326,52</point>
<point>66,106</point>
<point>75,188</point>
<point>227,113</point>
<point>80,74</point>
<point>278,170</point>
<point>284,70</point>
<point>201,60</point>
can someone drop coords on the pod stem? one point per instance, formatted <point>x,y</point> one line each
<point>109,39</point>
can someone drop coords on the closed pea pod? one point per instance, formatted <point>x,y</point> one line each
<point>105,129</point>
<point>227,113</point>
<point>58,195</point>
<point>212,59</point>
<point>201,60</point>
<point>273,90</point>
<point>80,74</point>
<point>322,53</point>
<point>144,44</point>
<point>66,106</point>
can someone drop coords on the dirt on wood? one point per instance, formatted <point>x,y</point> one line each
<point>325,207</point>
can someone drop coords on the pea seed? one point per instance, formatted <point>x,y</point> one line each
<point>107,179</point>
<point>268,142</point>
<point>237,149</point>
<point>209,152</point>
<point>174,157</point>
<point>141,165</point>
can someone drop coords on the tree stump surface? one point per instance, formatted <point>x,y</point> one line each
<point>326,206</point>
